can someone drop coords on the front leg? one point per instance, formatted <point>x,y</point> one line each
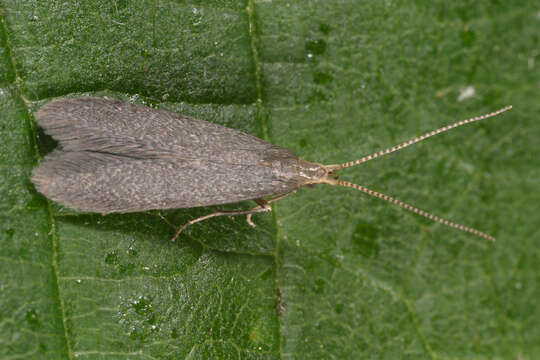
<point>264,203</point>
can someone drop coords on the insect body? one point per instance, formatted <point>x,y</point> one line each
<point>120,157</point>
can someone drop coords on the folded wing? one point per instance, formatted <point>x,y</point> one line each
<point>119,157</point>
<point>115,126</point>
<point>105,183</point>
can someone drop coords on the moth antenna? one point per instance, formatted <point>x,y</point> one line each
<point>415,140</point>
<point>410,208</point>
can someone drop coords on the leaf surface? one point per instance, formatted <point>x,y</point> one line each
<point>331,273</point>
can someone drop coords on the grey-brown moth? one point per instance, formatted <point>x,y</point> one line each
<point>120,157</point>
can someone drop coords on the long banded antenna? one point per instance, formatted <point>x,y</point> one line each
<point>410,208</point>
<point>415,140</point>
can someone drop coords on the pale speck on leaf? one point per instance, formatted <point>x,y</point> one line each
<point>466,93</point>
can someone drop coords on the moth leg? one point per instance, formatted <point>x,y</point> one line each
<point>265,203</point>
<point>263,207</point>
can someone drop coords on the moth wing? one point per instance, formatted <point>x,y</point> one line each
<point>119,157</point>
<point>114,126</point>
<point>105,183</point>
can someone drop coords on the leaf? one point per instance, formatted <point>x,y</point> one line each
<point>332,273</point>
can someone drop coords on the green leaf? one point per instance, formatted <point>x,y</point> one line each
<point>331,273</point>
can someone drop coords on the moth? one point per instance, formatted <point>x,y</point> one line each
<point>117,157</point>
